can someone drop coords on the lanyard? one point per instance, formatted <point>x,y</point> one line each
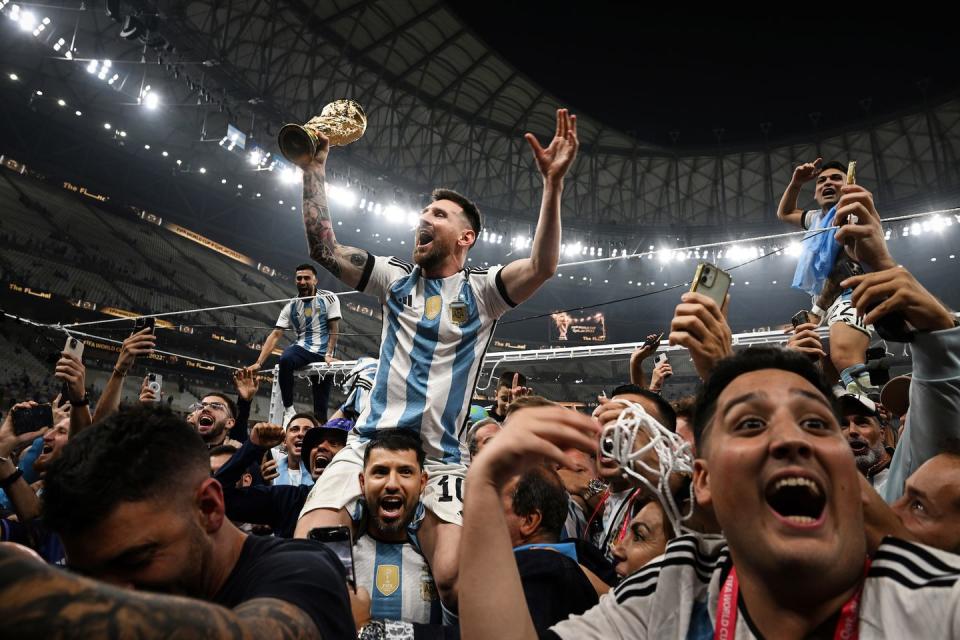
<point>726,627</point>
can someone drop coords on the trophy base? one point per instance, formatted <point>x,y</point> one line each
<point>296,144</point>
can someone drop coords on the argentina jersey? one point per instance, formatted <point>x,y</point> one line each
<point>309,318</point>
<point>398,580</point>
<point>358,384</point>
<point>435,334</point>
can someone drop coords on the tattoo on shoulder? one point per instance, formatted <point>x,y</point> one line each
<point>358,258</point>
<point>279,619</point>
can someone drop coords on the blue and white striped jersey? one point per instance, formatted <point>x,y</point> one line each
<point>398,580</point>
<point>358,384</point>
<point>309,319</point>
<point>435,334</point>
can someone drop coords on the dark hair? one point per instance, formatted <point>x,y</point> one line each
<point>469,208</point>
<point>833,164</point>
<point>683,407</point>
<point>227,400</point>
<point>306,267</point>
<point>754,359</point>
<point>506,379</point>
<point>525,402</point>
<point>395,440</point>
<point>540,489</point>
<point>472,444</point>
<point>133,455</point>
<point>222,449</point>
<point>668,417</point>
<point>304,414</point>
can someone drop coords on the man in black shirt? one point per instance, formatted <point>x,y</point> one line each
<point>134,503</point>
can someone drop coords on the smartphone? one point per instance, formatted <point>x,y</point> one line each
<point>661,357</point>
<point>647,343</point>
<point>32,418</point>
<point>799,318</point>
<point>155,384</point>
<point>142,323</point>
<point>712,282</point>
<point>846,268</point>
<point>74,347</point>
<point>341,542</point>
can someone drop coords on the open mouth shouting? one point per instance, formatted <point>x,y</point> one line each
<point>424,237</point>
<point>859,447</point>
<point>297,443</point>
<point>796,500</point>
<point>321,459</point>
<point>391,507</point>
<point>205,422</point>
<point>828,192</point>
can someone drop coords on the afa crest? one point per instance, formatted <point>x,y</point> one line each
<point>432,307</point>
<point>388,578</point>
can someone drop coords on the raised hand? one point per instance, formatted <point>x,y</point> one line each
<point>701,326</point>
<point>266,435</point>
<point>554,161</point>
<point>138,344</point>
<point>246,383</point>
<point>807,171</point>
<point>805,339</point>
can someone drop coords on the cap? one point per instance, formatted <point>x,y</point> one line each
<point>858,403</point>
<point>313,436</point>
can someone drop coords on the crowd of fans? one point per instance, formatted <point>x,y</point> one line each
<point>791,497</point>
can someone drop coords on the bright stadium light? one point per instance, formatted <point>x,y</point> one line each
<point>151,101</point>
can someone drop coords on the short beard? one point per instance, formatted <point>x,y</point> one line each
<point>868,459</point>
<point>391,527</point>
<point>214,434</point>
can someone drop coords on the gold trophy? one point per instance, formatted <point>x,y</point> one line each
<point>342,121</point>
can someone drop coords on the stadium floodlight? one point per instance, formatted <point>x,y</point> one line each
<point>92,66</point>
<point>203,169</point>
<point>343,195</point>
<point>14,77</point>
<point>62,102</point>
<point>393,214</point>
<point>290,175</point>
<point>78,113</point>
<point>164,154</point>
<point>793,249</point>
<point>26,20</point>
<point>151,101</point>
<point>664,256</point>
<point>413,219</point>
<point>106,125</point>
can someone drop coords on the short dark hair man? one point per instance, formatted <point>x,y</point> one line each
<point>135,506</point>
<point>778,474</point>
<point>315,317</point>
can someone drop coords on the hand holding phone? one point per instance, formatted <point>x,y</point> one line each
<point>30,419</point>
<point>711,281</point>
<point>340,541</point>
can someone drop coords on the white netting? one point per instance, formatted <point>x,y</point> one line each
<point>621,441</point>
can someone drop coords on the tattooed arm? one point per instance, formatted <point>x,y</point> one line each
<point>345,263</point>
<point>37,601</point>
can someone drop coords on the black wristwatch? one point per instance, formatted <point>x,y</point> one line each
<point>82,402</point>
<point>7,482</point>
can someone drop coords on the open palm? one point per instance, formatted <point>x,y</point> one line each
<point>554,161</point>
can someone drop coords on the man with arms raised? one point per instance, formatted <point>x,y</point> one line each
<point>439,318</point>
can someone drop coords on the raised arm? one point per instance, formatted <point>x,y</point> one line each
<point>345,263</point>
<point>140,343</point>
<point>37,601</point>
<point>788,211</point>
<point>523,277</point>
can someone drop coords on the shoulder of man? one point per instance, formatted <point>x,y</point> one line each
<point>304,573</point>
